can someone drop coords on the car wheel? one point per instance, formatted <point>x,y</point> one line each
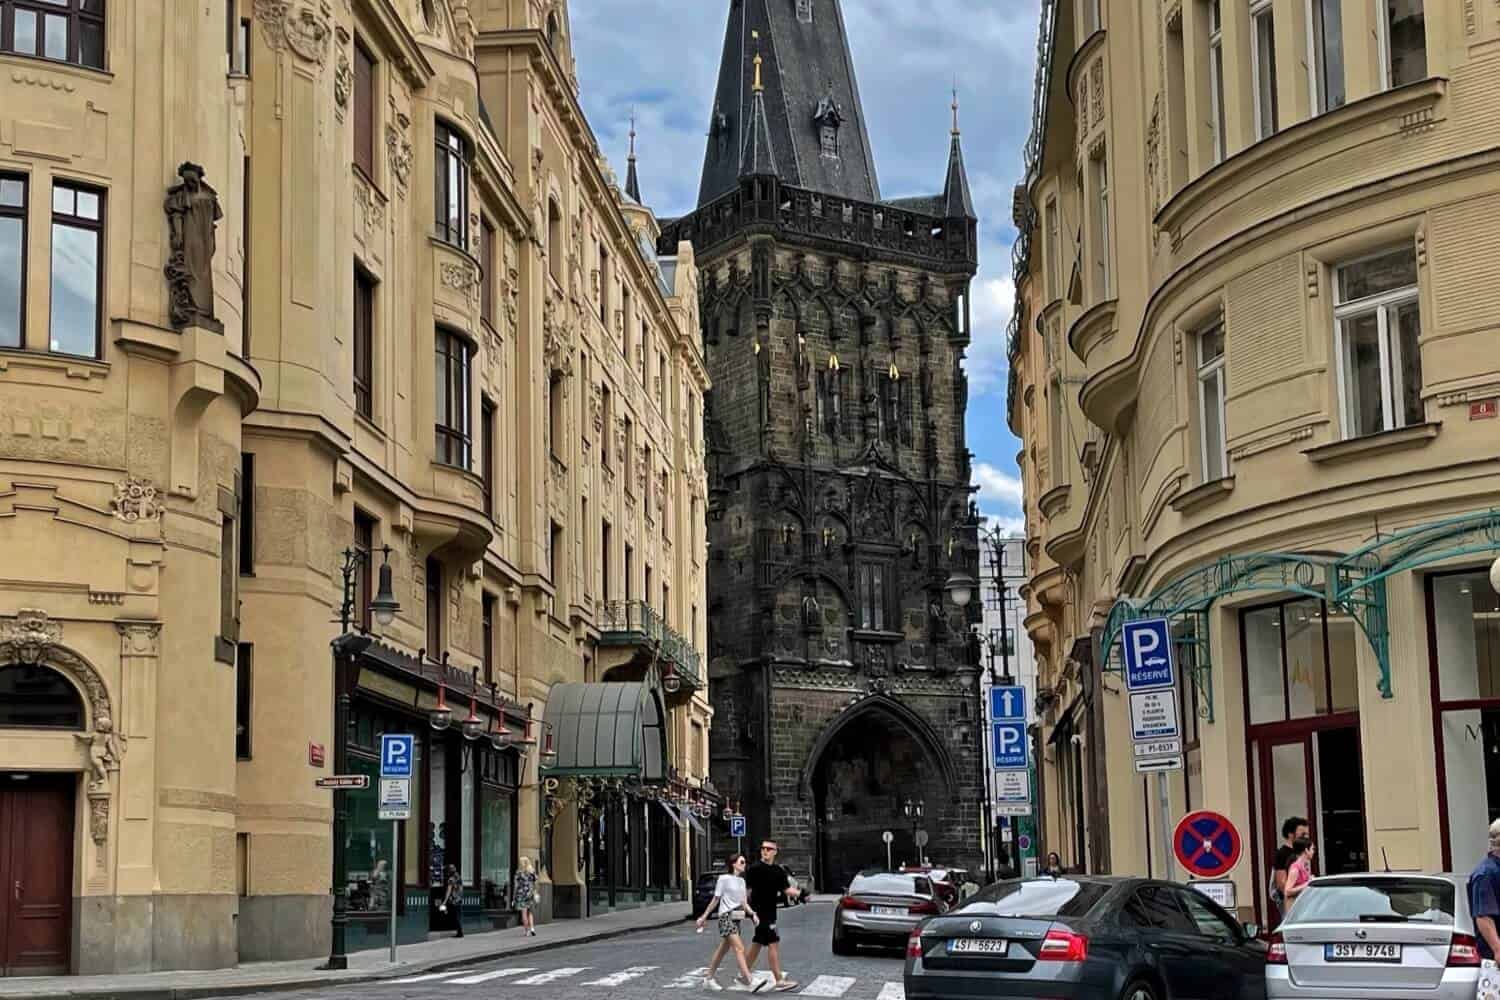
<point>1139,989</point>
<point>842,945</point>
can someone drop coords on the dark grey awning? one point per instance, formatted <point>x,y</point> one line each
<point>607,731</point>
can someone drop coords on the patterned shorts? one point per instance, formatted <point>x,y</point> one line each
<point>729,923</point>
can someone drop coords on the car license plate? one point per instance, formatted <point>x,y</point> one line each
<point>978,946</point>
<point>1361,953</point>
<point>888,911</point>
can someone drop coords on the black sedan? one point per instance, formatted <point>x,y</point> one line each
<point>1084,937</point>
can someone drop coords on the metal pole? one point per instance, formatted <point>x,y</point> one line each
<point>1164,804</point>
<point>337,959</point>
<point>395,840</point>
<point>889,866</point>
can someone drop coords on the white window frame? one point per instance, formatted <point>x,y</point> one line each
<point>1216,80</point>
<point>1211,370</point>
<point>1317,52</point>
<point>1054,249</point>
<point>1384,306</point>
<point>1263,9</point>
<point>1099,166</point>
<point>1383,37</point>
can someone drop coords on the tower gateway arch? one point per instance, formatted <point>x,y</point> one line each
<point>835,322</point>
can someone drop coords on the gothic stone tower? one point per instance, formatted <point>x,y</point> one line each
<point>835,324</point>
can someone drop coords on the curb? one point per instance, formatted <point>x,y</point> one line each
<point>289,985</point>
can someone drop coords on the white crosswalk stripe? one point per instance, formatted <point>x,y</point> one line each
<point>485,977</point>
<point>543,978</point>
<point>426,978</point>
<point>828,986</point>
<point>688,980</point>
<point>624,976</point>
<point>892,991</point>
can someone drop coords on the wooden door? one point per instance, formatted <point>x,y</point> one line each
<point>36,872</point>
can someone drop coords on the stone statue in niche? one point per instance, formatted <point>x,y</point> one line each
<point>192,210</point>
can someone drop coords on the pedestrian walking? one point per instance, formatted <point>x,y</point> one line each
<point>1293,828</point>
<point>1484,897</point>
<point>730,895</point>
<point>769,885</point>
<point>1299,872</point>
<point>453,899</point>
<point>525,894</point>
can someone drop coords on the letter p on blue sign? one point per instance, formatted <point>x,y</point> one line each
<point>395,755</point>
<point>1148,654</point>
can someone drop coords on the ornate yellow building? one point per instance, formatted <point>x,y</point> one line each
<point>1255,372</point>
<point>281,279</point>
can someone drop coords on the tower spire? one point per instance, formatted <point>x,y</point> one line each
<point>632,181</point>
<point>758,158</point>
<point>958,203</point>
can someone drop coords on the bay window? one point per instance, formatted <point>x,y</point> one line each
<point>1211,403</point>
<point>1403,41</point>
<point>1100,223</point>
<point>63,30</point>
<point>451,187</point>
<point>451,401</point>
<point>1263,62</point>
<point>77,225</point>
<point>1378,326</point>
<point>12,261</point>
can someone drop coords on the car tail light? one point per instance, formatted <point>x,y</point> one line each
<point>927,907</point>
<point>914,943</point>
<point>1464,951</point>
<point>1064,946</point>
<point>1276,950</point>
<point>851,903</point>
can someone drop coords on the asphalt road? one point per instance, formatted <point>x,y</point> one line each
<point>645,964</point>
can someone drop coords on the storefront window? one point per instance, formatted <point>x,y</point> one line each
<point>1301,662</point>
<point>1267,697</point>
<point>466,810</point>
<point>437,815</point>
<point>1464,624</point>
<point>496,844</point>
<point>367,843</point>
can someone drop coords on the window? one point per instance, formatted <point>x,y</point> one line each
<point>486,271</point>
<point>1326,40</point>
<point>828,140</point>
<point>487,447</point>
<point>1211,403</point>
<point>830,398</point>
<point>552,30</point>
<point>1054,251</point>
<point>364,344</point>
<point>607,407</point>
<point>556,416</point>
<point>629,570</point>
<point>555,557</point>
<point>65,30</point>
<point>586,567</point>
<point>451,187</point>
<point>247,514</point>
<point>1153,906</point>
<point>661,380</point>
<point>364,110</point>
<point>241,61</point>
<point>1058,426</point>
<point>364,547</point>
<point>487,634</point>
<point>1263,62</point>
<point>77,225</point>
<point>554,241</point>
<point>452,399</point>
<point>434,609</point>
<point>1207,920</point>
<point>872,596</point>
<point>666,604</point>
<point>229,573</point>
<point>244,686</point>
<point>245,268</point>
<point>605,544</point>
<point>1379,327</point>
<point>1091,20</point>
<point>648,585</point>
<point>37,697</point>
<point>1175,150</point>
<point>1100,167</point>
<point>627,461</point>
<point>1403,41</point>
<point>1216,81</point>
<point>604,291</point>
<point>12,261</point>
<point>1300,661</point>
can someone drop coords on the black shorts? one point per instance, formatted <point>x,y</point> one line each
<point>765,929</point>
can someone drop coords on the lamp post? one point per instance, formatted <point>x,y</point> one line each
<point>913,812</point>
<point>348,647</point>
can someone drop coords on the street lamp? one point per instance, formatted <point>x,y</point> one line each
<point>473,726</point>
<point>442,715</point>
<point>913,812</point>
<point>347,648</point>
<point>960,587</point>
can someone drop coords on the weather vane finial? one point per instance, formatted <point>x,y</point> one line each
<point>757,84</point>
<point>955,105</point>
<point>632,133</point>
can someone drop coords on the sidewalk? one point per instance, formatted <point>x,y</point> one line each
<point>266,977</point>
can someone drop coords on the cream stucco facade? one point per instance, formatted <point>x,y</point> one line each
<point>442,332</point>
<point>1255,375</point>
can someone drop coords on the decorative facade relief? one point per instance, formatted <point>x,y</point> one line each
<point>463,278</point>
<point>28,638</point>
<point>398,149</point>
<point>368,207</point>
<point>135,500</point>
<point>296,26</point>
<point>1097,73</point>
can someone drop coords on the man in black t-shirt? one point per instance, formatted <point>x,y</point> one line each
<point>768,882</point>
<point>1292,829</point>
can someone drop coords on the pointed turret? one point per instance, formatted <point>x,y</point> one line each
<point>632,182</point>
<point>758,158</point>
<point>809,88</point>
<point>957,202</point>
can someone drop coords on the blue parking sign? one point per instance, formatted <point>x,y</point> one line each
<point>1147,649</point>
<point>736,825</point>
<point>395,755</point>
<point>1010,745</point>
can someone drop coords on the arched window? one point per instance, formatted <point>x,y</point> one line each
<point>38,698</point>
<point>552,31</point>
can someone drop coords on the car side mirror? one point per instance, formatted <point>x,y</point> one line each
<point>1252,930</point>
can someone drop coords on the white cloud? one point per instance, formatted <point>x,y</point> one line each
<point>997,487</point>
<point>1007,526</point>
<point>990,310</point>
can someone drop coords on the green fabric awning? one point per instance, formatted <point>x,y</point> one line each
<point>607,731</point>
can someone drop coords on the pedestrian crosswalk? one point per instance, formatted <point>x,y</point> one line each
<point>835,987</point>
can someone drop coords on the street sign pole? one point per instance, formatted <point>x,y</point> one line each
<point>395,839</point>
<point>888,836</point>
<point>1164,822</point>
<point>397,751</point>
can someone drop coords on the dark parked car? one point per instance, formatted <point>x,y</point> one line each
<point>703,891</point>
<point>882,908</point>
<point>1083,937</point>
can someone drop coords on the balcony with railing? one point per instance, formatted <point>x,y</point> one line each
<point>636,626</point>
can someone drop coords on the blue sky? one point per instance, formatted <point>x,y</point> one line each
<point>660,58</point>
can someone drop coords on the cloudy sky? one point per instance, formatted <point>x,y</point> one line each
<point>660,58</point>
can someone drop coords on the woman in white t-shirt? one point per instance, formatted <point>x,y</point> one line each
<point>729,897</point>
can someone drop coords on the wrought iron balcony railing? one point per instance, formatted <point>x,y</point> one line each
<point>630,622</point>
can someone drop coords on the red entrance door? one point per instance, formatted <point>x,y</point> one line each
<point>36,874</point>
